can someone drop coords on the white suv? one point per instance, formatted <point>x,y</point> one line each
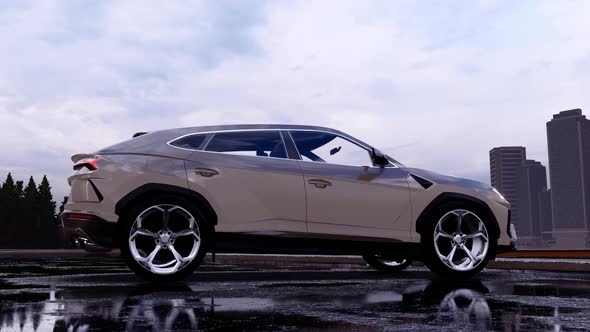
<point>165,198</point>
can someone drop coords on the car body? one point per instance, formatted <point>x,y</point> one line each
<point>278,189</point>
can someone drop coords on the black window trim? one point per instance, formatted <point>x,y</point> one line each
<point>298,158</point>
<point>291,146</point>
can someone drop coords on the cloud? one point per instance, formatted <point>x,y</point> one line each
<point>435,84</point>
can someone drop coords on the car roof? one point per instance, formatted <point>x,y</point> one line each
<point>255,126</point>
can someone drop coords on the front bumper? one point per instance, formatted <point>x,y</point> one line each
<point>513,238</point>
<point>94,233</point>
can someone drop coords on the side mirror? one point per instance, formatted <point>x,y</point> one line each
<point>379,159</point>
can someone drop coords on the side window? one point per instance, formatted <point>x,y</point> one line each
<point>249,143</point>
<point>329,148</point>
<point>189,142</point>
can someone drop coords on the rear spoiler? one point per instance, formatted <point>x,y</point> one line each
<point>80,156</point>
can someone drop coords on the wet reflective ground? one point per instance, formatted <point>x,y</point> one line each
<point>94,294</point>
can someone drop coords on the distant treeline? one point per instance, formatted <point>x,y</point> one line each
<point>27,215</point>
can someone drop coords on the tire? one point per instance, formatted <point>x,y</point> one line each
<point>386,265</point>
<point>462,264</point>
<point>184,242</point>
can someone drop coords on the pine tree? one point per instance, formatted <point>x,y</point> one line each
<point>3,221</point>
<point>2,204</point>
<point>47,213</point>
<point>30,194</point>
<point>63,204</point>
<point>8,211</point>
<point>46,203</point>
<point>31,204</point>
<point>9,190</point>
<point>27,215</point>
<point>18,190</point>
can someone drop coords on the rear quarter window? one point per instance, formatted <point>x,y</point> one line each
<point>192,142</point>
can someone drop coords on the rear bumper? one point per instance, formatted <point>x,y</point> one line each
<point>94,233</point>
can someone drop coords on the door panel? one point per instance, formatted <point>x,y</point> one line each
<point>250,194</point>
<point>359,200</point>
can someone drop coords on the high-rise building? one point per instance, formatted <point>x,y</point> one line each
<point>568,140</point>
<point>546,214</point>
<point>531,181</point>
<point>505,161</point>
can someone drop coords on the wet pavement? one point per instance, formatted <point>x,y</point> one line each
<point>99,293</point>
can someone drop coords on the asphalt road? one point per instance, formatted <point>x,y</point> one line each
<point>99,293</point>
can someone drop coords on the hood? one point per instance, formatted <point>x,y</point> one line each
<point>450,180</point>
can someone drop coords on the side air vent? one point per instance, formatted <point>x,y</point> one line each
<point>98,194</point>
<point>422,181</point>
<point>139,134</point>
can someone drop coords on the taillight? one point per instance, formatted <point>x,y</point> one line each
<point>79,216</point>
<point>90,163</point>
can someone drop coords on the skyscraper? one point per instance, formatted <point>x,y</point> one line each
<point>505,162</point>
<point>531,181</point>
<point>546,215</point>
<point>568,140</point>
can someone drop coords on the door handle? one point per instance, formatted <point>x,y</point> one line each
<point>319,183</point>
<point>206,172</point>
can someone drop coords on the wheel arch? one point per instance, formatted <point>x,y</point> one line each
<point>447,197</point>
<point>151,189</point>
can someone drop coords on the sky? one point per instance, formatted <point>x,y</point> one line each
<point>435,84</point>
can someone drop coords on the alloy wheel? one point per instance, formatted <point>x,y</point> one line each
<point>164,239</point>
<point>461,240</point>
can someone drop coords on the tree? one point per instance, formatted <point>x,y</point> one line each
<point>9,190</point>
<point>47,214</point>
<point>30,193</point>
<point>62,206</point>
<point>31,203</point>
<point>27,215</point>
<point>8,211</point>
<point>18,190</point>
<point>46,203</point>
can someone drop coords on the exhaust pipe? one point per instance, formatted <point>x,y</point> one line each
<point>82,241</point>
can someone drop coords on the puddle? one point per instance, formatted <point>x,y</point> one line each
<point>260,300</point>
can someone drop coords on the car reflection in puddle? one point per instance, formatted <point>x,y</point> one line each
<point>149,308</point>
<point>407,305</point>
<point>461,303</point>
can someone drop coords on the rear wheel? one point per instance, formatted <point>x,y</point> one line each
<point>163,238</point>
<point>458,241</point>
<point>384,264</point>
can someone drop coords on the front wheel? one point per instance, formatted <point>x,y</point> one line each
<point>388,265</point>
<point>457,242</point>
<point>163,238</point>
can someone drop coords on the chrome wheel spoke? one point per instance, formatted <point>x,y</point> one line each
<point>176,254</point>
<point>449,257</point>
<point>476,235</point>
<point>142,231</point>
<point>481,255</point>
<point>150,258</point>
<point>459,221</point>
<point>469,254</point>
<point>186,232</point>
<point>165,218</point>
<point>443,234</point>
